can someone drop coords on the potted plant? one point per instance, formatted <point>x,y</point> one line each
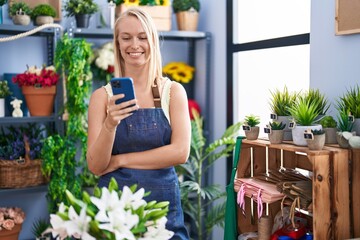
<point>20,13</point>
<point>39,88</point>
<point>39,228</point>
<point>280,102</point>
<point>350,103</point>
<point>12,219</point>
<point>314,95</point>
<point>330,127</point>
<point>304,113</point>
<point>182,73</point>
<point>4,92</point>
<point>344,129</point>
<point>43,13</point>
<point>187,14</point>
<point>81,10</point>
<point>196,196</point>
<point>250,127</point>
<point>276,133</point>
<point>316,141</point>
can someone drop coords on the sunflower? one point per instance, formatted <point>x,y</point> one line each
<point>162,2</point>
<point>179,71</point>
<point>131,2</point>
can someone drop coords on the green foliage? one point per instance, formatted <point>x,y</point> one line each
<point>202,157</point>
<point>43,10</point>
<point>117,2</point>
<point>3,2</point>
<point>317,131</point>
<point>185,5</point>
<point>328,122</point>
<point>277,125</point>
<point>4,89</point>
<point>350,101</point>
<point>319,100</point>
<point>39,227</point>
<point>252,120</point>
<point>79,7</point>
<point>281,100</point>
<point>304,111</point>
<point>343,119</point>
<point>17,6</point>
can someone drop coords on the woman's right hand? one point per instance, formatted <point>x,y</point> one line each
<point>117,112</point>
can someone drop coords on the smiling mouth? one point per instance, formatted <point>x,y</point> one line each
<point>135,54</point>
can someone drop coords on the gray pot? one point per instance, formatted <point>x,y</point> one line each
<point>276,136</point>
<point>287,131</point>
<point>317,143</point>
<point>330,135</point>
<point>298,133</point>
<point>253,133</point>
<point>343,142</point>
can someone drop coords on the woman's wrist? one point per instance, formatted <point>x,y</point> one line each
<point>107,129</point>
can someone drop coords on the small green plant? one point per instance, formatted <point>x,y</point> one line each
<point>43,10</point>
<point>304,112</point>
<point>4,89</point>
<point>350,101</point>
<point>252,120</point>
<point>39,227</point>
<point>17,6</point>
<point>281,100</point>
<point>80,7</point>
<point>328,122</point>
<point>343,119</point>
<point>317,131</point>
<point>185,5</point>
<point>314,95</point>
<point>277,125</point>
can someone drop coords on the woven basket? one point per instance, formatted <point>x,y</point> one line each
<point>21,173</point>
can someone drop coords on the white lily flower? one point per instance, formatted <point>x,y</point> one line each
<point>158,232</point>
<point>32,69</point>
<point>108,202</point>
<point>58,226</point>
<point>79,224</point>
<point>133,200</point>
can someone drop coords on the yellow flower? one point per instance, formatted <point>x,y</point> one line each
<point>179,71</point>
<point>165,2</point>
<point>131,2</point>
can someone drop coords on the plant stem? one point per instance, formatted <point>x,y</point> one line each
<point>199,202</point>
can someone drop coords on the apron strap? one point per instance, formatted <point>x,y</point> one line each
<point>156,94</point>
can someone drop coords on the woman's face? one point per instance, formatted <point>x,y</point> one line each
<point>133,42</point>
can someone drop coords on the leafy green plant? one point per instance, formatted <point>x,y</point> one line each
<point>281,100</point>
<point>39,227</point>
<point>43,10</point>
<point>343,119</point>
<point>80,7</point>
<point>304,111</point>
<point>72,59</point>
<point>4,89</point>
<point>17,6</point>
<point>319,99</point>
<point>350,101</point>
<point>277,125</point>
<point>197,197</point>
<point>185,5</point>
<point>3,2</point>
<point>328,122</point>
<point>252,120</point>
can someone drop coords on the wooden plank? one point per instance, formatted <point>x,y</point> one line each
<point>322,207</point>
<point>355,192</point>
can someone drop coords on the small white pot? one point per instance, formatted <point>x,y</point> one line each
<point>298,133</point>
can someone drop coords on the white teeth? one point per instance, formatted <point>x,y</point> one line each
<point>134,54</point>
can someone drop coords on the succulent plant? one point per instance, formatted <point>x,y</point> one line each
<point>317,131</point>
<point>314,95</point>
<point>277,125</point>
<point>343,120</point>
<point>304,111</point>
<point>252,120</point>
<point>328,122</point>
<point>350,101</point>
<point>281,100</point>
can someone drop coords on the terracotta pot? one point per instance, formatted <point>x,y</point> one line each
<point>276,136</point>
<point>317,143</point>
<point>187,20</point>
<point>252,134</point>
<point>13,234</point>
<point>39,100</point>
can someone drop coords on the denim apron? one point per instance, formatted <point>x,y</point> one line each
<point>147,129</point>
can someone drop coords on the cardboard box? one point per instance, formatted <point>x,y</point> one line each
<point>160,14</point>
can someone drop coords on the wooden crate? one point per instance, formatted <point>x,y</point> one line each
<point>331,191</point>
<point>160,14</point>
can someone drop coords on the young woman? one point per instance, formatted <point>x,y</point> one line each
<point>141,140</point>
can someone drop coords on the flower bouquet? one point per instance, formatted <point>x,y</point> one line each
<point>179,71</point>
<point>10,222</point>
<point>102,64</point>
<point>39,88</point>
<point>111,214</point>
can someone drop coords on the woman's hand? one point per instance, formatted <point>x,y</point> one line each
<point>117,112</point>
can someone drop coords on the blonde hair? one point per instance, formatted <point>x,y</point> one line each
<point>155,61</point>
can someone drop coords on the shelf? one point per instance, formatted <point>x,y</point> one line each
<point>108,33</point>
<point>21,120</point>
<point>11,29</point>
<point>13,191</point>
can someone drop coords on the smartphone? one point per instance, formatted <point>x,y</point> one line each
<point>125,86</point>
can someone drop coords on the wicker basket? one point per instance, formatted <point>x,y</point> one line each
<point>21,173</point>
